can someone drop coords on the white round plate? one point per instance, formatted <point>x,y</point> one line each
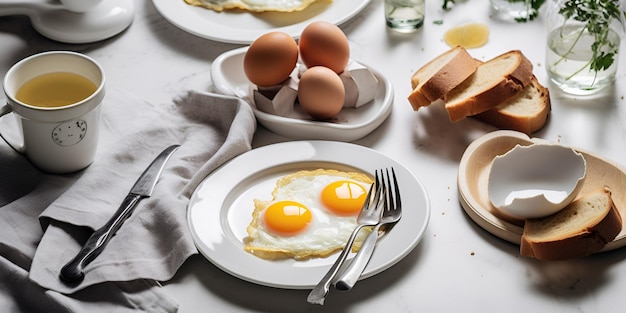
<point>243,27</point>
<point>352,124</point>
<point>221,208</point>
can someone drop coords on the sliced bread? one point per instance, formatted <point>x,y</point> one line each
<point>492,83</point>
<point>526,112</point>
<point>439,76</point>
<point>584,227</point>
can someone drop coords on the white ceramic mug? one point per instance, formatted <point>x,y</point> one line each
<point>55,139</point>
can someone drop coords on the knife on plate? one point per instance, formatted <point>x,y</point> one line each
<point>73,271</point>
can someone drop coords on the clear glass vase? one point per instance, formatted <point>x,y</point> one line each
<point>582,53</point>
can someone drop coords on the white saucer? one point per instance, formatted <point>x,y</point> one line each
<point>105,20</point>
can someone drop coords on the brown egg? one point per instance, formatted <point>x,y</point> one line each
<point>324,44</point>
<point>321,92</point>
<point>270,59</point>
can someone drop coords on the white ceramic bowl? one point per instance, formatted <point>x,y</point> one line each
<point>229,79</point>
<point>536,180</point>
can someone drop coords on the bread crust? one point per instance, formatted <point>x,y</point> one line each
<point>505,86</point>
<point>587,241</point>
<point>529,122</point>
<point>452,73</point>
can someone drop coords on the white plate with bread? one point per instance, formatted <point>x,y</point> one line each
<point>349,125</point>
<point>474,170</point>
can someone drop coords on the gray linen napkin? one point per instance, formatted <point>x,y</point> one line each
<point>153,243</point>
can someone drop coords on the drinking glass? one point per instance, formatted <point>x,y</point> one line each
<point>404,16</point>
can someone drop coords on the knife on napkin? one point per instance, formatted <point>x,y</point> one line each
<point>73,271</point>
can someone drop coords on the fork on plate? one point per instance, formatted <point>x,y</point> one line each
<point>369,216</point>
<point>392,213</point>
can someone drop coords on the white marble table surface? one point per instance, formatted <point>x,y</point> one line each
<point>458,267</point>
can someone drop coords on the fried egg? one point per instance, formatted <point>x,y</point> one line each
<point>311,214</point>
<point>254,5</point>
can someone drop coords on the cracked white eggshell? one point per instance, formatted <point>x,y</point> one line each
<point>535,181</point>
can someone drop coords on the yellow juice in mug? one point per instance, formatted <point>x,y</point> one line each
<point>55,89</point>
<point>56,97</point>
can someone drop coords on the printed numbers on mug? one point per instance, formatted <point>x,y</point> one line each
<point>69,133</point>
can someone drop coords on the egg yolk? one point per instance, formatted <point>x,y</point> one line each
<point>287,217</point>
<point>344,197</point>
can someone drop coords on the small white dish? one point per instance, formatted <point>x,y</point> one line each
<point>349,125</point>
<point>532,181</point>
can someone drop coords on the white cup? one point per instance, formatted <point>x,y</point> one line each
<point>55,139</point>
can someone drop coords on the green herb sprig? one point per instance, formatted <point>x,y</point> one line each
<point>532,9</point>
<point>597,16</point>
<point>445,4</point>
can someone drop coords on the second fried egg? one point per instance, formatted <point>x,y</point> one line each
<point>254,5</point>
<point>311,214</point>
